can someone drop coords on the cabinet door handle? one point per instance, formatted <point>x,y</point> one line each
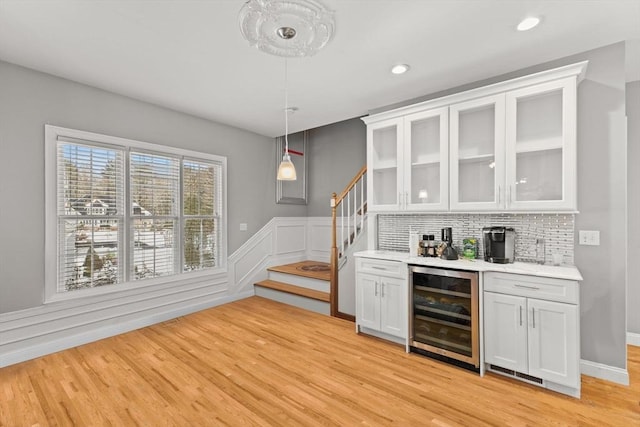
<point>375,292</point>
<point>382,290</point>
<point>535,288</point>
<point>520,315</point>
<point>399,199</point>
<point>499,194</point>
<point>533,317</point>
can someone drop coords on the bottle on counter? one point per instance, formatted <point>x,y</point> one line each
<point>431,246</point>
<point>423,245</point>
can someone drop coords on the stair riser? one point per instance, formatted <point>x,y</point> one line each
<point>294,300</point>
<point>303,282</point>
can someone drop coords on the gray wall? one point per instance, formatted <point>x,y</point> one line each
<point>29,99</point>
<point>338,151</point>
<point>633,206</point>
<point>602,205</point>
<point>601,197</point>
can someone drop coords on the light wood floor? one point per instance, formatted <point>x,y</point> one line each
<point>258,362</point>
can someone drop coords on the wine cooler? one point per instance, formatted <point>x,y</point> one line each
<point>444,315</point>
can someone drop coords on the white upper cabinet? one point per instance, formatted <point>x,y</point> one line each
<point>384,155</point>
<point>426,168</point>
<point>477,154</point>
<point>509,146</point>
<point>407,159</point>
<point>515,151</point>
<point>541,147</point>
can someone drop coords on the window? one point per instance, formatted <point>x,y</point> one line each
<point>122,212</point>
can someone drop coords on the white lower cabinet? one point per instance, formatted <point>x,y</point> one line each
<point>553,342</point>
<point>505,331</point>
<point>381,297</point>
<point>531,327</point>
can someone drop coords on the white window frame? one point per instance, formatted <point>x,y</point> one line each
<point>52,133</point>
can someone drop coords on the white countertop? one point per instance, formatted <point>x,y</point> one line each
<point>567,272</point>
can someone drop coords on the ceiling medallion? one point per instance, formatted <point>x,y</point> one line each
<point>289,28</point>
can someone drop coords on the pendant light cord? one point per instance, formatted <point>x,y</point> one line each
<point>286,110</point>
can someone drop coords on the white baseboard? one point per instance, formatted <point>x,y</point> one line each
<point>633,339</point>
<point>42,349</point>
<point>604,372</point>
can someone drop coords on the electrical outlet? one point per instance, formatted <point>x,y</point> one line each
<point>589,238</point>
<point>243,226</point>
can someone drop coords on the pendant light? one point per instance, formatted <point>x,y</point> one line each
<point>286,170</point>
<point>291,29</point>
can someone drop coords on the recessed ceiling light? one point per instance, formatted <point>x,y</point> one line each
<point>400,69</point>
<point>528,23</point>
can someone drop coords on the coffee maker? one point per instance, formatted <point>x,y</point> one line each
<point>449,251</point>
<point>499,244</point>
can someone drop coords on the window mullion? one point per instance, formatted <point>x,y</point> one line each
<point>181,223</point>
<point>128,224</point>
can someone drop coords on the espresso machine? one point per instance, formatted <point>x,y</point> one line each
<point>449,251</point>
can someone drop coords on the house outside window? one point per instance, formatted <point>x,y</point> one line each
<point>124,213</point>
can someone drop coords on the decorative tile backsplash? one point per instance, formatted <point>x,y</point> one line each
<point>557,230</point>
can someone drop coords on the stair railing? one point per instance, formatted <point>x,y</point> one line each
<point>347,221</point>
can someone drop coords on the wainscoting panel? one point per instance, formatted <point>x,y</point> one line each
<point>255,256</point>
<point>319,238</point>
<point>290,236</point>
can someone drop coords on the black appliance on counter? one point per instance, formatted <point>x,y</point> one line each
<point>499,244</point>
<point>444,315</point>
<point>449,251</point>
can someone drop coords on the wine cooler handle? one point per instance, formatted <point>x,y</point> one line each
<point>520,315</point>
<point>533,315</point>
<point>376,290</point>
<point>382,290</point>
<point>499,194</point>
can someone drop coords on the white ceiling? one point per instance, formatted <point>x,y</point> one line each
<point>190,55</point>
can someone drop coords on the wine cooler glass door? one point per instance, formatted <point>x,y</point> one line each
<point>445,313</point>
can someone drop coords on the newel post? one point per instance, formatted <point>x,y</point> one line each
<point>334,259</point>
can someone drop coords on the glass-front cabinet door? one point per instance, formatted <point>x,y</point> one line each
<point>476,132</point>
<point>541,146</point>
<point>426,167</point>
<point>384,158</point>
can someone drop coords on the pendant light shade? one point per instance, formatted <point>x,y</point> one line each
<point>286,170</point>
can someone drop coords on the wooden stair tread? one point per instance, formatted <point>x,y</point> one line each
<point>313,269</point>
<point>294,290</point>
